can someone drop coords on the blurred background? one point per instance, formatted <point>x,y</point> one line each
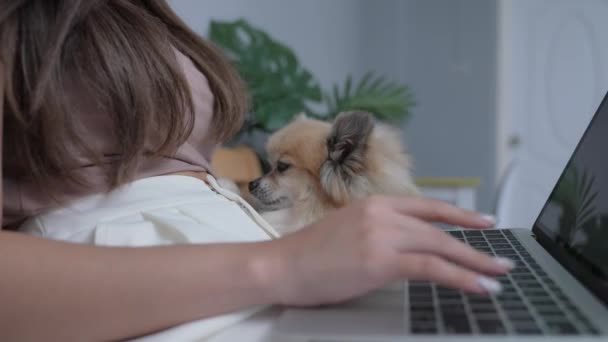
<point>491,95</point>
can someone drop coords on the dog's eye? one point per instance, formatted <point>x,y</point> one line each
<point>282,166</point>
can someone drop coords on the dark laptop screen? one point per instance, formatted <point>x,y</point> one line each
<point>573,225</point>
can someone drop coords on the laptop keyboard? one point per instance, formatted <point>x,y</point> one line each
<point>531,303</point>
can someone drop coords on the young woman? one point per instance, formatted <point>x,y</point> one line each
<point>115,105</point>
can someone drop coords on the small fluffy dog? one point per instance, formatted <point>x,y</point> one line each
<point>318,166</point>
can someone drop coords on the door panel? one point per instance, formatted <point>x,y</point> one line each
<point>552,77</point>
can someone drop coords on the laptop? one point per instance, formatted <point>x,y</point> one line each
<point>558,291</point>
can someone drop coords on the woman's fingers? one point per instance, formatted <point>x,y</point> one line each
<point>422,237</point>
<point>437,211</point>
<point>428,267</point>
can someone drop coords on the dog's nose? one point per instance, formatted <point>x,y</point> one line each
<point>254,184</point>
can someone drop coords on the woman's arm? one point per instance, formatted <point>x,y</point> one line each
<point>67,292</point>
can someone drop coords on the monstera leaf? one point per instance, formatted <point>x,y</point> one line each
<point>387,100</point>
<point>278,85</point>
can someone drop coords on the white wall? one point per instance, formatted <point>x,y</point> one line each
<point>445,50</point>
<point>323,33</point>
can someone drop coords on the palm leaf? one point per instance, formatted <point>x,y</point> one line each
<point>385,99</point>
<point>577,200</point>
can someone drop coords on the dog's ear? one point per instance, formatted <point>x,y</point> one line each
<point>346,148</point>
<point>348,137</point>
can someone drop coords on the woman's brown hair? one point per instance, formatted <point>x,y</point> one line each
<point>123,51</point>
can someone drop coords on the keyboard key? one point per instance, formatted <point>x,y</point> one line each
<point>420,292</point>
<point>519,277</point>
<point>491,327</point>
<point>528,328</point>
<point>518,262</point>
<point>561,296</point>
<point>508,288</point>
<point>417,298</point>
<point>419,285</point>
<point>456,233</point>
<point>551,314</point>
<point>488,317</point>
<point>472,233</point>
<point>505,281</point>
<point>423,328</point>
<point>421,307</point>
<point>456,324</point>
<point>519,316</point>
<point>419,282</point>
<point>452,308</point>
<point>507,253</point>
<point>532,286</point>
<point>446,290</point>
<point>483,309</point>
<point>514,306</point>
<point>521,270</point>
<point>508,297</point>
<point>561,328</point>
<point>478,299</point>
<point>498,246</point>
<point>542,301</point>
<point>456,297</point>
<point>444,293</point>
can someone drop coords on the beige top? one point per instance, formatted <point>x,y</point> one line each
<point>22,199</point>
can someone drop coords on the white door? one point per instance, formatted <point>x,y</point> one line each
<point>553,72</point>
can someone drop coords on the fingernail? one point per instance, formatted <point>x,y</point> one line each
<point>505,263</point>
<point>490,219</point>
<point>490,285</point>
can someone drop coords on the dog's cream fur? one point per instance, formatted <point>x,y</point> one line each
<point>329,166</point>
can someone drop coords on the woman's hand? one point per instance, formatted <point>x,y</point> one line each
<point>374,242</point>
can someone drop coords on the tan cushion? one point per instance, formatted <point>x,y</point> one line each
<point>239,164</point>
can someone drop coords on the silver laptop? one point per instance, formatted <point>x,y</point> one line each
<point>558,291</point>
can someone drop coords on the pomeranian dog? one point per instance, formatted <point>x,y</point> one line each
<point>318,166</point>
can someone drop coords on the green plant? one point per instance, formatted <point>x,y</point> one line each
<point>387,100</point>
<point>280,87</point>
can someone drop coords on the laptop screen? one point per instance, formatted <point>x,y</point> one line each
<point>573,225</point>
